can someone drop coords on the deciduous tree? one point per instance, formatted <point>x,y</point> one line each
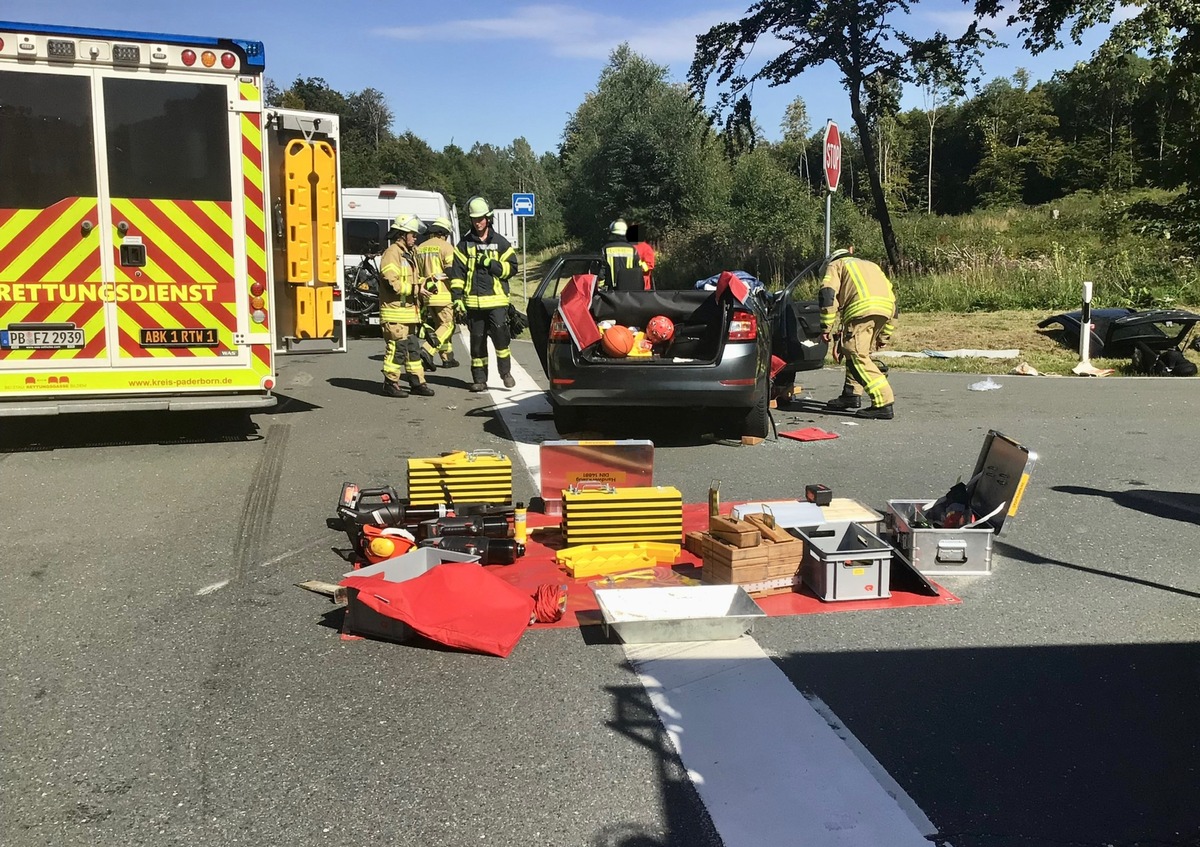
<point>859,37</point>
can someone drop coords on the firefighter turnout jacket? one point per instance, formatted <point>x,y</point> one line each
<point>481,270</point>
<point>624,268</point>
<point>856,288</point>
<point>398,302</point>
<point>434,259</point>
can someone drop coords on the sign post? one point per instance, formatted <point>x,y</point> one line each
<point>832,146</point>
<point>522,206</point>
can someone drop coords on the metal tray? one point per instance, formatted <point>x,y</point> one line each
<point>412,564</point>
<point>678,613</point>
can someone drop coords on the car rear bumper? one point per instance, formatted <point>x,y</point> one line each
<point>733,382</point>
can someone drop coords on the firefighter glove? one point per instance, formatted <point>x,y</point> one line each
<point>495,268</point>
<point>880,343</point>
<point>460,308</point>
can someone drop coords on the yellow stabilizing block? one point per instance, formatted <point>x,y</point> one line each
<point>586,560</point>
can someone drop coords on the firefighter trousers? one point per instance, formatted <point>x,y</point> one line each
<point>483,324</point>
<point>859,338</point>
<point>402,352</point>
<point>440,319</point>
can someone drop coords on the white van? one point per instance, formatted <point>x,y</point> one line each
<point>367,214</point>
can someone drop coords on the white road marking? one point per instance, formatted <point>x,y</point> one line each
<point>212,589</point>
<point>514,405</point>
<point>771,766</point>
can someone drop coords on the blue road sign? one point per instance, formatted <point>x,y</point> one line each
<point>522,205</point>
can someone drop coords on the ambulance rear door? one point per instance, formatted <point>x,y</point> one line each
<point>303,179</point>
<point>130,235</point>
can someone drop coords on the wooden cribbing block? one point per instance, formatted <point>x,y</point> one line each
<point>770,533</point>
<point>737,533</point>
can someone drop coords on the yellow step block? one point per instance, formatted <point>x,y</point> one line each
<point>586,560</point>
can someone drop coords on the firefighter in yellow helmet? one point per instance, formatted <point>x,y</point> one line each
<point>860,294</point>
<point>435,255</point>
<point>622,268</point>
<point>484,262</point>
<point>400,310</point>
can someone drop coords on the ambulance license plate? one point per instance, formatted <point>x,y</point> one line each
<point>41,337</point>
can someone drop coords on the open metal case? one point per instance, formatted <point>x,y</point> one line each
<point>995,489</point>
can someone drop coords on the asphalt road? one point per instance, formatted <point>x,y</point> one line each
<point>166,683</point>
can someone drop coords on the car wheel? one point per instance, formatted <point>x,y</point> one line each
<point>568,419</point>
<point>757,422</point>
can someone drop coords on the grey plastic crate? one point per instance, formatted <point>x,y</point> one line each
<point>846,561</point>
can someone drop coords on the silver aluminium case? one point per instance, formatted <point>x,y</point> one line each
<point>996,486</point>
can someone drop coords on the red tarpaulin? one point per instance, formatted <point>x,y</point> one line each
<point>734,284</point>
<point>537,567</point>
<point>575,307</point>
<point>458,604</point>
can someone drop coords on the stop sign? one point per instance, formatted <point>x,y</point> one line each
<point>833,155</point>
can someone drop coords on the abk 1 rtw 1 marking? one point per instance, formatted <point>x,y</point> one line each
<point>121,292</point>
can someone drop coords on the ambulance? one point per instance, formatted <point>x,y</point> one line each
<point>163,234</point>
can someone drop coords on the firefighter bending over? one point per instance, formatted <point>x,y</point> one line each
<point>860,293</point>
<point>435,255</point>
<point>484,262</point>
<point>400,310</point>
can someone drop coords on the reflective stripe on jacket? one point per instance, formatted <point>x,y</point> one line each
<point>625,270</point>
<point>434,258</point>
<point>471,276</point>
<point>397,299</point>
<point>857,289</point>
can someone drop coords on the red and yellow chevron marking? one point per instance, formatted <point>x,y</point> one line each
<point>188,279</point>
<point>49,246</point>
<point>255,222</point>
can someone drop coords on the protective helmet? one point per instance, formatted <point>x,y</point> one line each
<point>477,207</point>
<point>408,223</point>
<point>838,254</point>
<point>441,223</point>
<point>618,227</point>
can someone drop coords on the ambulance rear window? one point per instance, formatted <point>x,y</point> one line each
<point>46,151</point>
<point>167,140</point>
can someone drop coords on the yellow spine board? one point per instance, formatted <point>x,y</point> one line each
<point>650,513</point>
<point>469,477</point>
<point>325,207</point>
<point>298,212</point>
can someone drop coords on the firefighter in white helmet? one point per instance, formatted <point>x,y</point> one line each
<point>400,311</point>
<point>623,269</point>
<point>435,255</point>
<point>484,262</point>
<point>860,294</point>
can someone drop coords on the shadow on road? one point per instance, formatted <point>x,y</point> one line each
<point>1173,505</point>
<point>107,429</point>
<point>686,820</point>
<point>1022,555</point>
<point>1008,746</point>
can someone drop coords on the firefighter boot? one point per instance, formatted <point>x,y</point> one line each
<point>878,413</point>
<point>421,389</point>
<point>508,380</point>
<point>844,403</point>
<point>393,389</point>
<point>448,361</point>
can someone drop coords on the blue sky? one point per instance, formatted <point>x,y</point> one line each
<point>531,63</point>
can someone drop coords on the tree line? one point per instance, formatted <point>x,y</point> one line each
<point>706,186</point>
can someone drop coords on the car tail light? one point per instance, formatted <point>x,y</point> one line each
<point>337,292</point>
<point>228,60</point>
<point>743,326</point>
<point>558,330</point>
